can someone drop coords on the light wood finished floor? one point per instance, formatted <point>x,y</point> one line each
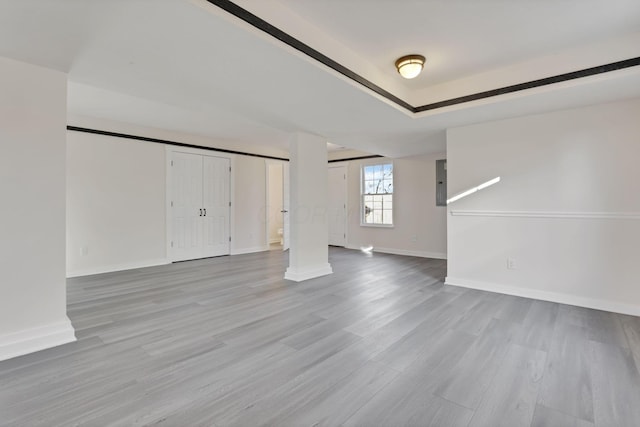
<point>381,342</point>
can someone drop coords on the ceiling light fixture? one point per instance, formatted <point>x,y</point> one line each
<point>410,66</point>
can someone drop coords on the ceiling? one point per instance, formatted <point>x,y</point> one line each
<point>189,66</point>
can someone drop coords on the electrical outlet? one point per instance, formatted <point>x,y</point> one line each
<point>84,250</point>
<point>511,264</point>
<point>414,238</point>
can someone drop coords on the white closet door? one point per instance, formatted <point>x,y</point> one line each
<point>187,224</point>
<point>216,206</point>
<point>337,205</point>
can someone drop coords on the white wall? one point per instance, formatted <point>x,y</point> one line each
<point>32,185</point>
<point>567,208</point>
<point>115,204</point>
<point>116,199</point>
<point>420,227</point>
<point>275,201</point>
<point>250,206</point>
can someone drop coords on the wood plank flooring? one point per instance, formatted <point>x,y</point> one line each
<point>381,342</point>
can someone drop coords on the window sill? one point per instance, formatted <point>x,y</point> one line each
<point>376,225</point>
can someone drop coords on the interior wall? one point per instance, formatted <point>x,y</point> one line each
<point>420,227</point>
<point>32,184</point>
<point>115,204</point>
<point>275,201</point>
<point>250,206</point>
<point>563,224</point>
<point>116,200</point>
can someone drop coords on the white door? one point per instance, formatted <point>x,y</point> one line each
<point>200,210</point>
<point>337,205</point>
<point>215,204</point>
<point>187,225</point>
<point>285,206</point>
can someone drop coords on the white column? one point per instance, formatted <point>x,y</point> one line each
<point>33,116</point>
<point>309,252</point>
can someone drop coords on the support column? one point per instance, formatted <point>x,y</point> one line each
<point>33,119</point>
<point>309,233</point>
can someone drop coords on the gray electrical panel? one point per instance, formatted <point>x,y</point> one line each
<point>441,182</point>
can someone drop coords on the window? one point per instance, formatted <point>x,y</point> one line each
<point>377,194</point>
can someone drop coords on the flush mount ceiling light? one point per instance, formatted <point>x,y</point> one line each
<point>410,66</point>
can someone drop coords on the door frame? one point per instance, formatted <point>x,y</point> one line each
<point>267,164</point>
<point>344,165</point>
<point>169,150</point>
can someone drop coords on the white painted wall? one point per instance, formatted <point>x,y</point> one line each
<point>32,185</point>
<point>115,204</point>
<point>250,206</point>
<point>420,227</point>
<point>275,201</point>
<point>116,199</point>
<point>567,208</point>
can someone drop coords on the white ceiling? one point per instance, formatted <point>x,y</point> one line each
<point>461,38</point>
<point>189,66</point>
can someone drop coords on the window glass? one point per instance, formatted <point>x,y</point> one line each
<point>377,194</point>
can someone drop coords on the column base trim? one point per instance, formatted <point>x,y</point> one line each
<point>300,275</point>
<point>35,339</point>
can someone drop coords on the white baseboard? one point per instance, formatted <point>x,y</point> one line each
<point>597,304</point>
<point>118,267</point>
<point>36,339</point>
<point>276,240</point>
<point>252,250</point>
<point>406,252</point>
<point>299,275</point>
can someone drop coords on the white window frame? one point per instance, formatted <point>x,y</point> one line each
<point>362,194</point>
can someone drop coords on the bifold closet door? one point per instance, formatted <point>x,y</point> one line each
<point>216,199</point>
<point>187,221</point>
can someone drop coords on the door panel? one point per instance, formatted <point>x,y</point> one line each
<point>186,196</point>
<point>216,204</point>
<point>337,205</point>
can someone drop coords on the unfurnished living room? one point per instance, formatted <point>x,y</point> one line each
<point>320,213</point>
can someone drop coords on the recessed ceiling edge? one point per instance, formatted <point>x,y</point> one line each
<point>262,25</point>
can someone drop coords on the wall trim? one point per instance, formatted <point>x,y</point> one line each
<point>597,304</point>
<point>197,147</point>
<point>348,159</point>
<point>35,339</point>
<point>405,252</point>
<point>302,274</point>
<point>168,142</point>
<point>118,267</point>
<point>254,249</point>
<point>262,25</point>
<point>551,214</point>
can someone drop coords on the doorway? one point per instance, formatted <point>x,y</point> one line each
<point>277,209</point>
<point>337,206</point>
